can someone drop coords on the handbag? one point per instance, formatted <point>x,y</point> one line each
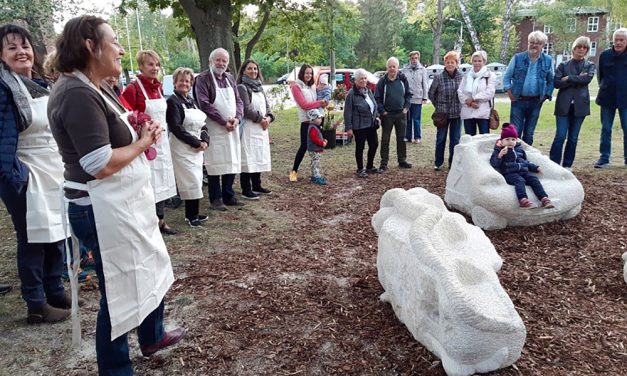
<point>440,119</point>
<point>495,119</point>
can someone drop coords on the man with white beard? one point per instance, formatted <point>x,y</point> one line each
<point>217,97</point>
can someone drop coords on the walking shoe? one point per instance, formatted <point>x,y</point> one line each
<point>373,170</point>
<point>382,168</point>
<point>169,338</point>
<point>417,141</point>
<point>546,203</point>
<point>232,202</point>
<point>202,218</point>
<point>66,301</point>
<point>362,173</point>
<point>5,289</point>
<point>250,195</point>
<point>193,223</point>
<point>167,230</point>
<point>48,314</point>
<point>293,176</point>
<point>262,191</point>
<point>525,203</point>
<point>437,168</point>
<point>404,164</point>
<point>217,205</point>
<point>318,180</point>
<point>601,164</point>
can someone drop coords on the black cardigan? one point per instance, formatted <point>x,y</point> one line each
<point>174,116</point>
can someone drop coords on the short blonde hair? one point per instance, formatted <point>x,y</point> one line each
<point>414,53</point>
<point>537,36</point>
<point>581,41</point>
<point>181,71</point>
<point>452,55</point>
<point>482,54</point>
<point>144,54</point>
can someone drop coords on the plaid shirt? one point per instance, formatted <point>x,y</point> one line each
<point>443,93</point>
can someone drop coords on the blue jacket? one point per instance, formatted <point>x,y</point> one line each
<point>612,76</point>
<point>514,162</point>
<point>516,72</point>
<point>13,173</point>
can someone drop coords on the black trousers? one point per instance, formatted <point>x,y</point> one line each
<point>361,136</point>
<point>302,149</point>
<point>250,181</point>
<point>191,209</point>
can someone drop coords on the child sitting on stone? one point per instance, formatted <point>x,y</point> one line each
<point>315,145</point>
<point>510,159</point>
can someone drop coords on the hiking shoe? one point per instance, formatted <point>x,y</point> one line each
<point>293,176</point>
<point>193,223</point>
<point>262,191</point>
<point>601,164</point>
<point>66,301</point>
<point>217,205</point>
<point>48,314</point>
<point>404,164</point>
<point>546,203</point>
<point>525,203</point>
<point>319,180</point>
<point>250,195</point>
<point>372,170</point>
<point>169,338</point>
<point>437,168</point>
<point>362,173</point>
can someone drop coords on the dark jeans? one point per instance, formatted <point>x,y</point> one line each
<point>413,122</point>
<point>397,121</point>
<point>525,114</point>
<point>250,181</point>
<point>113,358</point>
<point>607,120</point>
<point>519,180</point>
<point>566,126</point>
<point>471,125</point>
<point>191,209</point>
<point>39,265</point>
<point>302,149</point>
<point>222,191</point>
<point>455,127</point>
<point>361,136</point>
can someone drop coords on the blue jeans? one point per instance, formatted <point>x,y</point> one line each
<point>222,191</point>
<point>519,180</point>
<point>455,126</point>
<point>607,120</point>
<point>525,114</point>
<point>471,125</point>
<point>566,126</point>
<point>413,122</point>
<point>39,265</point>
<point>112,356</point>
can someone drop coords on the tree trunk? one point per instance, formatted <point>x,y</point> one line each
<point>437,32</point>
<point>237,49</point>
<point>262,26</point>
<point>469,25</point>
<point>507,20</point>
<point>212,27</point>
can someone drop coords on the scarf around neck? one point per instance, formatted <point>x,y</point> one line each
<point>254,85</point>
<point>11,78</point>
<point>473,78</point>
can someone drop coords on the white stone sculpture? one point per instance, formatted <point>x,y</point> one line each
<point>474,187</point>
<point>439,275</point>
<point>625,267</point>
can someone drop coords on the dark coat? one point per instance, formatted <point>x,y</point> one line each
<point>612,76</point>
<point>381,92</point>
<point>575,89</point>
<point>357,114</point>
<point>515,161</point>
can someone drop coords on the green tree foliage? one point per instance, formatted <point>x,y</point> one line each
<point>380,33</point>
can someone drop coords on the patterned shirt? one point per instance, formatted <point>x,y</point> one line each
<point>443,93</point>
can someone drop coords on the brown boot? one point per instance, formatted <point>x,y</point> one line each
<point>48,314</point>
<point>66,301</point>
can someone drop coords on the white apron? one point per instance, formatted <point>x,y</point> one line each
<point>186,160</point>
<point>161,168</point>
<point>38,150</point>
<point>255,140</point>
<point>223,155</point>
<point>135,260</point>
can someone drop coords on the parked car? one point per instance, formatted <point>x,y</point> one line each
<point>283,79</point>
<point>168,85</point>
<point>345,76</point>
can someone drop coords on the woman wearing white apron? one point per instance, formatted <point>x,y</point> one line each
<point>145,95</point>
<point>110,199</point>
<point>186,122</point>
<point>254,130</point>
<point>218,98</point>
<point>31,172</point>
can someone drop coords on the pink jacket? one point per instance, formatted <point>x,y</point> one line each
<point>485,94</point>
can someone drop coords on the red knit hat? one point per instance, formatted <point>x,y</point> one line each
<point>509,130</point>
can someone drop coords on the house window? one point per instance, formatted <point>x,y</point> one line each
<point>547,29</point>
<point>571,25</point>
<point>566,54</point>
<point>615,25</point>
<point>593,49</point>
<point>548,48</point>
<point>593,24</point>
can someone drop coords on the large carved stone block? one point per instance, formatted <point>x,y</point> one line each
<point>474,187</point>
<point>625,267</point>
<point>439,275</point>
